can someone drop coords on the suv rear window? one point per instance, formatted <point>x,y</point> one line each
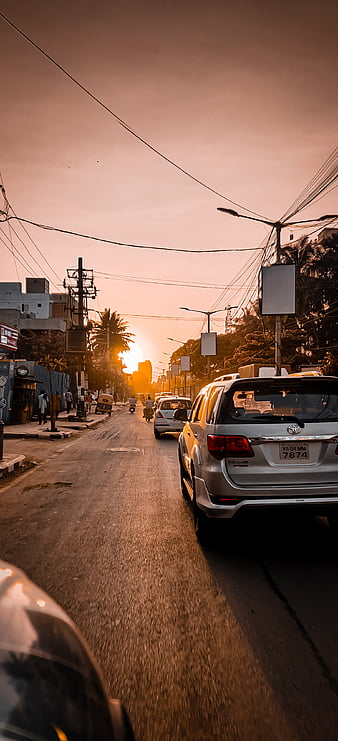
<point>301,399</point>
<point>175,404</point>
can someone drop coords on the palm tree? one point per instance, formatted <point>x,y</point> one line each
<point>109,336</point>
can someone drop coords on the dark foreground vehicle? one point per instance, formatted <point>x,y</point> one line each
<point>50,687</point>
<point>261,444</point>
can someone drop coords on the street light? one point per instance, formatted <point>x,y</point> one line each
<point>278,226</point>
<point>173,340</point>
<point>207,313</point>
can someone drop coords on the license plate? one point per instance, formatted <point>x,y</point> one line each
<point>293,451</point>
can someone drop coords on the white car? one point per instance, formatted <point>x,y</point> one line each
<point>164,420</point>
<point>261,444</point>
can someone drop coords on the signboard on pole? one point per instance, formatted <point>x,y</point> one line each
<point>278,290</point>
<point>185,363</point>
<point>209,343</point>
<point>175,369</point>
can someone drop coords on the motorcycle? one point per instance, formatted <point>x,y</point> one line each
<point>132,408</point>
<point>148,414</point>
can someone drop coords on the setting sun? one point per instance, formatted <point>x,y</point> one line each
<point>132,358</point>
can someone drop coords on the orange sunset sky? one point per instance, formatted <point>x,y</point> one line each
<point>242,95</point>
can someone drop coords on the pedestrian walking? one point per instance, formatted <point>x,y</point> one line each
<point>69,399</point>
<point>89,401</point>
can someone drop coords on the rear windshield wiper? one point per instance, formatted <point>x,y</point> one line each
<point>279,418</point>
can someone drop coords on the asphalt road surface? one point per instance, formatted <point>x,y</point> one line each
<point>235,641</point>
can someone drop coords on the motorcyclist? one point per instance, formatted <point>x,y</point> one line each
<point>132,402</point>
<point>148,408</point>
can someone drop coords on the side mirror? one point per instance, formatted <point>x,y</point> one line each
<point>182,415</point>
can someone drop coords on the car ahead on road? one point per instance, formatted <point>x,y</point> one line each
<point>261,444</point>
<point>164,420</point>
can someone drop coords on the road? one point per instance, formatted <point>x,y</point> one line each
<point>237,641</point>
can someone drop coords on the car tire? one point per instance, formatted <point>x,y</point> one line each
<point>182,480</point>
<point>157,433</point>
<point>202,524</point>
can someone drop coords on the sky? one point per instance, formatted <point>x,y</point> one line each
<point>240,95</point>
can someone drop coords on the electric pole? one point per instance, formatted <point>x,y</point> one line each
<point>80,287</point>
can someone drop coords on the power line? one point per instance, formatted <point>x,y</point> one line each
<point>125,244</point>
<point>10,249</point>
<point>10,208</point>
<point>120,121</point>
<point>157,281</point>
<point>37,248</point>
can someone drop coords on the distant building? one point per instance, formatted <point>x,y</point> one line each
<point>146,369</point>
<point>142,378</point>
<point>36,309</point>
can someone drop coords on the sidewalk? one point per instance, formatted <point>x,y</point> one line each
<point>32,430</point>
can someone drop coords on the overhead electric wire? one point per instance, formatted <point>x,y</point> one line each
<point>119,120</point>
<point>323,179</point>
<point>126,244</point>
<point>30,254</point>
<point>9,207</point>
<point>36,247</point>
<point>10,238</point>
<point>156,281</point>
<point>23,264</point>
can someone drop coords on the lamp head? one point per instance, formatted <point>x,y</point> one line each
<point>228,211</point>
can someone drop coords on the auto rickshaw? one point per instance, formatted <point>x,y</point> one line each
<point>104,404</point>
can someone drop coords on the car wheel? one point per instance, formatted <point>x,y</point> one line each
<point>182,480</point>
<point>202,525</point>
<point>157,433</point>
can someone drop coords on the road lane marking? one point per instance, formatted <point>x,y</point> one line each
<point>125,450</point>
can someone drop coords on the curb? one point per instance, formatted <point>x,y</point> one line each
<point>66,432</point>
<point>36,435</point>
<point>10,463</point>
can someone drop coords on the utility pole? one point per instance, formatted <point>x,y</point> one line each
<point>278,323</point>
<point>80,292</point>
<point>80,288</point>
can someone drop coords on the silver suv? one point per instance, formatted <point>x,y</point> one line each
<point>261,443</point>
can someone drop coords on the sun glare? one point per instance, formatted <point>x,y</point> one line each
<point>132,358</point>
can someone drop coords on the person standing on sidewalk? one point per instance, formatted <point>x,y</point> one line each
<point>42,406</point>
<point>69,399</point>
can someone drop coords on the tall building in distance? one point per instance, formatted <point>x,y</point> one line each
<point>142,378</point>
<point>146,369</point>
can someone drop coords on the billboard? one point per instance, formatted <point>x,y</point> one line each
<point>8,337</point>
<point>209,343</point>
<point>278,285</point>
<point>185,363</point>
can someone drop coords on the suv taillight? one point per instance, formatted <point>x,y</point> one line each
<point>223,446</point>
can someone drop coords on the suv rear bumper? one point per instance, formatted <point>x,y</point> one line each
<point>320,500</point>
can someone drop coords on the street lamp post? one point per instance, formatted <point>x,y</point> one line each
<point>278,226</point>
<point>208,314</point>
